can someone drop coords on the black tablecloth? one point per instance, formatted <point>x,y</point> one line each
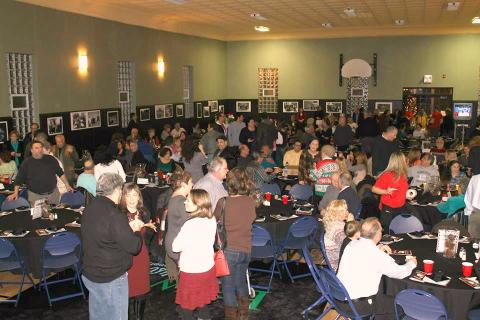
<point>428,215</point>
<point>30,246</point>
<point>283,182</point>
<point>457,297</point>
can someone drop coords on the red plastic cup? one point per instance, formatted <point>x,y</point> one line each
<point>428,266</point>
<point>268,196</point>
<point>285,199</point>
<point>7,180</point>
<point>467,268</point>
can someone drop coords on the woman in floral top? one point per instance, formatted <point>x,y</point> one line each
<point>308,161</point>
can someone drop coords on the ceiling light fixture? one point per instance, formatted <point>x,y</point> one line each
<point>262,28</point>
<point>453,6</point>
<point>476,20</point>
<point>176,1</point>
<point>350,12</point>
<point>257,16</point>
<point>399,22</point>
<point>327,25</point>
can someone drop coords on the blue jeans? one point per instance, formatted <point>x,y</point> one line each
<point>108,300</point>
<point>236,283</point>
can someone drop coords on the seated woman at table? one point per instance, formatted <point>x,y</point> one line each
<point>257,173</point>
<point>452,176</point>
<point>392,186</point>
<point>439,146</point>
<point>334,219</point>
<point>238,212</point>
<point>139,273</point>
<point>419,132</point>
<point>8,168</point>
<point>413,157</point>
<point>165,162</point>
<point>267,161</point>
<point>308,161</point>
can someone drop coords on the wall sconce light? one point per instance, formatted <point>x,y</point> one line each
<point>82,63</point>
<point>160,67</point>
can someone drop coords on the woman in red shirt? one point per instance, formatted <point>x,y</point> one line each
<point>392,186</point>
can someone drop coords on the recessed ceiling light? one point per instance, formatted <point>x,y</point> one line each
<point>350,12</point>
<point>399,22</point>
<point>327,25</point>
<point>476,20</point>
<point>262,28</point>
<point>257,16</point>
<point>453,6</point>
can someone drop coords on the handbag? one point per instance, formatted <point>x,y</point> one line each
<point>221,264</point>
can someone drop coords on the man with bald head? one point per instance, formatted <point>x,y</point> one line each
<point>363,264</point>
<point>67,154</point>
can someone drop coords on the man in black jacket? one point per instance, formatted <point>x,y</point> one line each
<point>348,194</point>
<point>109,243</point>
<point>226,152</point>
<point>368,127</point>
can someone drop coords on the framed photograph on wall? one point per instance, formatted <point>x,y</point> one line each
<point>213,106</point>
<point>268,92</point>
<point>93,119</point>
<point>333,107</point>
<point>179,110</point>
<point>78,120</point>
<point>54,126</point>
<point>145,114</point>
<point>206,111</point>
<point>311,105</point>
<point>19,101</point>
<point>169,111</point>
<point>199,110</point>
<point>3,131</point>
<point>384,106</point>
<point>356,92</point>
<point>160,111</point>
<point>290,106</point>
<point>221,108</point>
<point>243,106</point>
<point>123,96</point>
<point>113,118</point>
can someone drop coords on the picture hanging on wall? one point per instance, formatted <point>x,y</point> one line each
<point>213,106</point>
<point>384,106</point>
<point>333,107</point>
<point>113,119</point>
<point>268,92</point>
<point>199,110</point>
<point>311,105</point>
<point>221,108</point>
<point>206,112</point>
<point>78,120</point>
<point>160,111</point>
<point>243,106</point>
<point>55,125</point>
<point>145,114</point>
<point>290,106</point>
<point>179,110</point>
<point>3,131</point>
<point>356,92</point>
<point>169,111</point>
<point>19,101</point>
<point>123,96</point>
<point>93,119</point>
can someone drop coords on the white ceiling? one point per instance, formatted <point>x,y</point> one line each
<point>230,19</point>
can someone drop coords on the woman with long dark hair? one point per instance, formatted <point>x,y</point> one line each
<point>194,159</point>
<point>308,161</point>
<point>131,204</point>
<point>105,162</point>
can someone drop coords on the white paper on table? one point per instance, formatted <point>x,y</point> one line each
<point>443,283</point>
<point>282,218</point>
<point>142,181</point>
<point>11,235</point>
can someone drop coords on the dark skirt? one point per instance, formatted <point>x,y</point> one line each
<point>195,290</point>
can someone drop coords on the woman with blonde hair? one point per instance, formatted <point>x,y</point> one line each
<point>414,156</point>
<point>334,218</point>
<point>197,282</point>
<point>392,186</point>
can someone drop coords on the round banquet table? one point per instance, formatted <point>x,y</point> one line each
<point>427,214</point>
<point>283,182</point>
<point>30,246</point>
<point>457,297</point>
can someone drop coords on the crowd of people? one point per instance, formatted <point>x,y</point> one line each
<point>358,166</point>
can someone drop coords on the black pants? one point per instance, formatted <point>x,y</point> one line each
<point>362,306</point>
<point>203,313</point>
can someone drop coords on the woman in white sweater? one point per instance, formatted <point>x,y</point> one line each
<point>106,163</point>
<point>197,285</point>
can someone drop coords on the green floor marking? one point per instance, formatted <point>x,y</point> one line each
<point>257,300</point>
<point>165,284</point>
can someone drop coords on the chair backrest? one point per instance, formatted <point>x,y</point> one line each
<point>314,271</point>
<point>303,227</point>
<point>262,243</point>
<point>301,192</point>
<point>6,248</point>
<point>62,243</point>
<point>336,292</point>
<point>419,304</point>
<point>404,223</point>
<point>273,188</point>
<point>323,249</point>
<point>14,204</point>
<point>74,199</point>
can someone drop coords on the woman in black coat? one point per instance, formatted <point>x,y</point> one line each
<point>15,147</point>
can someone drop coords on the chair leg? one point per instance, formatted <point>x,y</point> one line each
<point>44,283</point>
<point>77,276</point>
